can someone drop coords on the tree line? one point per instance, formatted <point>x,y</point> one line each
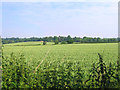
<point>61,39</point>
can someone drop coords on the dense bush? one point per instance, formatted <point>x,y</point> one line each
<point>44,42</point>
<point>56,42</point>
<point>103,76</point>
<point>17,73</point>
<point>70,41</point>
<point>63,42</point>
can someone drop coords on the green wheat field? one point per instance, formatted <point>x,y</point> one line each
<point>85,53</point>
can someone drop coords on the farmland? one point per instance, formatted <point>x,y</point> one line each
<point>85,53</point>
<point>50,56</point>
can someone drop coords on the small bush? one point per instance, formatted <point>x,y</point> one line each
<point>63,42</point>
<point>44,43</point>
<point>70,41</point>
<point>56,42</point>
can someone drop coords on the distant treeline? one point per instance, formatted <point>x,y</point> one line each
<point>63,39</point>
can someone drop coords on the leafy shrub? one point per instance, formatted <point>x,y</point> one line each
<point>56,42</point>
<point>63,42</point>
<point>70,41</point>
<point>103,76</point>
<point>44,42</point>
<point>17,73</point>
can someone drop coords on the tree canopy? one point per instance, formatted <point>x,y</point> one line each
<point>57,39</point>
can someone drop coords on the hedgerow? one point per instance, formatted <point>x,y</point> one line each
<point>18,73</point>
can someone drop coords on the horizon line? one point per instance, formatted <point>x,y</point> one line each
<point>59,36</point>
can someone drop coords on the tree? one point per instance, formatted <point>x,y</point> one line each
<point>76,39</point>
<point>56,42</point>
<point>55,38</point>
<point>44,42</point>
<point>58,39</point>
<point>69,39</point>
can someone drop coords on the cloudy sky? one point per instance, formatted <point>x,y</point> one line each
<point>39,19</point>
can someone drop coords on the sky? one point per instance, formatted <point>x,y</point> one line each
<point>40,19</point>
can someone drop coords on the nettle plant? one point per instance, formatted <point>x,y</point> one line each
<point>103,76</point>
<point>17,73</point>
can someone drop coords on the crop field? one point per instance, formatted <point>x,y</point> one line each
<point>47,57</point>
<point>85,53</point>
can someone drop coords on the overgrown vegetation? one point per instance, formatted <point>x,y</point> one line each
<point>18,73</point>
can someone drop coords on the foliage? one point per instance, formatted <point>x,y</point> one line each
<point>68,39</point>
<point>17,73</point>
<point>103,76</point>
<point>63,42</point>
<point>44,42</point>
<point>56,42</point>
<point>65,66</point>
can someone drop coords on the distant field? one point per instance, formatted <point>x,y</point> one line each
<point>35,43</point>
<point>85,53</point>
